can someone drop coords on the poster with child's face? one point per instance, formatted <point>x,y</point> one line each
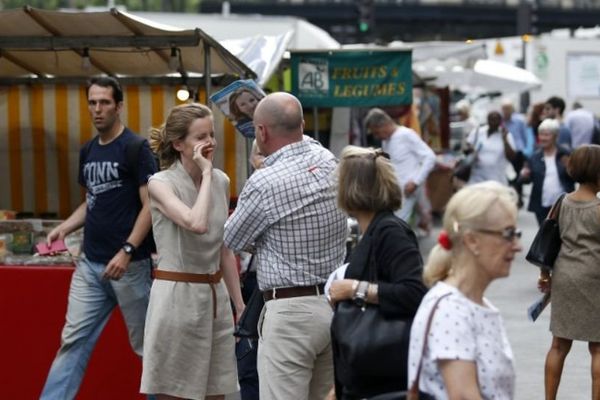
<point>238,102</point>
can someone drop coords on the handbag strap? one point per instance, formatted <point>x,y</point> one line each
<point>414,388</point>
<point>555,210</point>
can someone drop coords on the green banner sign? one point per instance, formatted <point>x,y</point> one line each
<point>363,78</point>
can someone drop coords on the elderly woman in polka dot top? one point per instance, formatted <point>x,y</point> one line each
<point>466,354</point>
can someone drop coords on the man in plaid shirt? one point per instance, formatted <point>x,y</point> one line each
<point>287,214</point>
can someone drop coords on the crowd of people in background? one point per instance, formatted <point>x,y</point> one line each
<point>291,217</point>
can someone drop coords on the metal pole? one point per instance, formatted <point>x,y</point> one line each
<point>524,98</point>
<point>316,123</point>
<point>207,77</point>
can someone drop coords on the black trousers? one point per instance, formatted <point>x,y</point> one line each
<point>246,350</point>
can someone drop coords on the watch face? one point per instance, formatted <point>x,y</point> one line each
<point>128,248</point>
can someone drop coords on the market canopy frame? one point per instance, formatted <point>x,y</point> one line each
<point>42,46</point>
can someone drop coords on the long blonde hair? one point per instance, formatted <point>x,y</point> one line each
<point>468,208</point>
<point>175,128</point>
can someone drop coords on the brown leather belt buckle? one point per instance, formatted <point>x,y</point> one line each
<point>295,291</point>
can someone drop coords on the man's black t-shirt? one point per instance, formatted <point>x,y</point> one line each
<point>113,200</point>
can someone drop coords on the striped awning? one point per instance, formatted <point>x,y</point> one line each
<point>42,128</point>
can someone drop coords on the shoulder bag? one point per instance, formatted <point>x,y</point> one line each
<point>546,243</point>
<point>368,343</point>
<point>413,392</point>
<point>464,165</point>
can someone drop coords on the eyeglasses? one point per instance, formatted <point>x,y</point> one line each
<point>509,234</point>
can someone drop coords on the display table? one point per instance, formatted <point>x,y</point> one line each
<point>33,303</point>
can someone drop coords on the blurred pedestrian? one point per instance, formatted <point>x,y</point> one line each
<point>515,124</point>
<point>581,123</point>
<point>495,147</point>
<point>368,191</point>
<point>190,348</point>
<point>534,120</point>
<point>467,354</point>
<point>573,281</point>
<point>547,170</point>
<point>412,159</point>
<point>463,109</point>
<point>287,213</point>
<point>554,108</point>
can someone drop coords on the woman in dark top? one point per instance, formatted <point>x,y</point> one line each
<point>547,170</point>
<point>368,191</point>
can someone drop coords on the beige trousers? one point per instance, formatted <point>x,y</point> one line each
<point>294,353</point>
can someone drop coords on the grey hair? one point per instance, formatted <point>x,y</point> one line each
<point>463,106</point>
<point>550,125</point>
<point>377,117</point>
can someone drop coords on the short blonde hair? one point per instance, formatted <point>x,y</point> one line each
<point>367,181</point>
<point>467,209</point>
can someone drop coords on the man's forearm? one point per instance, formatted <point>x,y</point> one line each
<point>141,227</point>
<point>75,220</point>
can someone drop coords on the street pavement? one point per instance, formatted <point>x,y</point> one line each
<point>530,341</point>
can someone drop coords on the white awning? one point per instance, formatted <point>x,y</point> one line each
<point>52,45</point>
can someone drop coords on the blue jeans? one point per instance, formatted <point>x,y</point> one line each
<point>91,301</point>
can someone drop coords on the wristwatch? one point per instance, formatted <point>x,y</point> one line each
<point>360,296</point>
<point>128,248</point>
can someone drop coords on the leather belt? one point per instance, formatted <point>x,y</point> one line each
<point>210,279</point>
<point>187,276</point>
<point>295,291</point>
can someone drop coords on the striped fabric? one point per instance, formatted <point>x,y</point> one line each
<point>43,126</point>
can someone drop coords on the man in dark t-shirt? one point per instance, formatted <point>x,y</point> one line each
<point>116,265</point>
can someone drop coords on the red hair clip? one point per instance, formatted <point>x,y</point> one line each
<point>444,240</point>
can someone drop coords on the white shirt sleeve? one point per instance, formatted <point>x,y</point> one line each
<point>426,156</point>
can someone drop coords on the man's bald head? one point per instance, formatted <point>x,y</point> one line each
<point>279,115</point>
<point>282,112</point>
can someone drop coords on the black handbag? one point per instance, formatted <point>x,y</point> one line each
<point>464,165</point>
<point>367,343</point>
<point>546,243</point>
<point>248,323</point>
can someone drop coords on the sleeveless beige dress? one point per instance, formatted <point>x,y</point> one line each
<point>188,352</point>
<point>575,312</point>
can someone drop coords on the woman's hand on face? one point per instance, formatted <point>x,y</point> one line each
<point>341,290</point>
<point>203,163</point>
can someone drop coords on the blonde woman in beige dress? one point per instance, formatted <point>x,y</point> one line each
<point>575,278</point>
<point>189,348</point>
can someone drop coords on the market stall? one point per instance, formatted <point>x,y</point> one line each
<point>33,303</point>
<point>45,59</point>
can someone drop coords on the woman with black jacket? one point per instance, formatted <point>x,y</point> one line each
<point>547,170</point>
<point>368,191</point>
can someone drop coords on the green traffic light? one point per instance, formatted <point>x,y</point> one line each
<point>363,27</point>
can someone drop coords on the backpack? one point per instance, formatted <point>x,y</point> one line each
<point>132,156</point>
